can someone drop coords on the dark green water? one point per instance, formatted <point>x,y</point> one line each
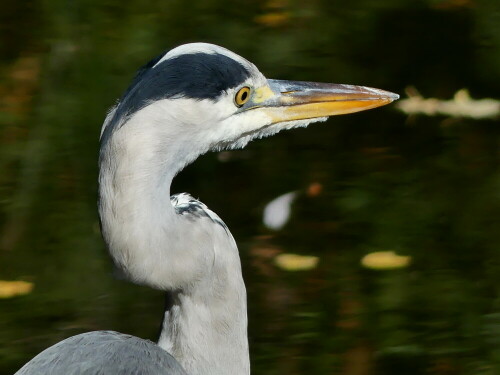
<point>427,187</point>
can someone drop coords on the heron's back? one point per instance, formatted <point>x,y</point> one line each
<point>103,352</point>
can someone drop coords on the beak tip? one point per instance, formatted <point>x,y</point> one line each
<point>391,96</point>
<point>394,96</point>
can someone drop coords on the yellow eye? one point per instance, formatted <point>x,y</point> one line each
<point>242,96</point>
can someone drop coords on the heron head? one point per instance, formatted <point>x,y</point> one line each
<point>218,100</point>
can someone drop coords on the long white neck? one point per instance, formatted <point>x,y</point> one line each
<point>191,256</point>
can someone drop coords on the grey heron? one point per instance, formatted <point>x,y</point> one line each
<point>190,100</point>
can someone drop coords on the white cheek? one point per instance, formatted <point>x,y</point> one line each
<point>237,130</point>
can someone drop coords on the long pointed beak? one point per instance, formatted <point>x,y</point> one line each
<point>293,100</point>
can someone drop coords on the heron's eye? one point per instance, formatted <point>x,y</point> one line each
<point>242,96</point>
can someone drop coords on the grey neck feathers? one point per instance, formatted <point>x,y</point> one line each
<point>194,259</point>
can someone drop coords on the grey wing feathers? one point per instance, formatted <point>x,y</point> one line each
<point>103,352</point>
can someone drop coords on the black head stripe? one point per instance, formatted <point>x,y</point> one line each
<point>141,73</point>
<point>195,76</point>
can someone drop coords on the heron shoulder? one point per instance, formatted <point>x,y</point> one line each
<point>103,352</point>
<point>185,205</point>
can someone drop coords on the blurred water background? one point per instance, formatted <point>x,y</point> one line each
<point>326,295</point>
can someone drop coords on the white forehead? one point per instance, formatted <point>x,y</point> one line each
<point>192,48</point>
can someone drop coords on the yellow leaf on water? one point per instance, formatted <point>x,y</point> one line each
<point>9,289</point>
<point>385,260</point>
<point>295,262</point>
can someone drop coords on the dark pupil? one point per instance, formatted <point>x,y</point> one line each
<point>244,95</point>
